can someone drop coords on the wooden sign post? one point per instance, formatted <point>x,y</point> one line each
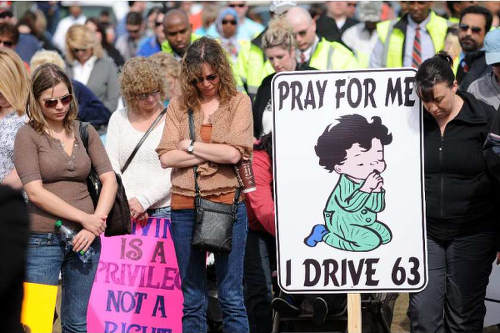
<point>354,313</point>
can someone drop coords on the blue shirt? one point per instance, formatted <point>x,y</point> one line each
<point>149,47</point>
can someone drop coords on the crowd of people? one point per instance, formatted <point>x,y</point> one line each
<point>179,93</point>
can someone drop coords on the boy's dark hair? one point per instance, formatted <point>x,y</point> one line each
<point>431,72</point>
<point>134,18</point>
<point>335,140</point>
<point>481,11</point>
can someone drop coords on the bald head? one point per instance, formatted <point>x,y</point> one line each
<point>304,27</point>
<point>177,30</point>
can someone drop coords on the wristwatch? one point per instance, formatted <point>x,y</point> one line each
<point>190,148</point>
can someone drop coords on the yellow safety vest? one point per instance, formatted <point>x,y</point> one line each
<point>252,66</point>
<point>393,38</point>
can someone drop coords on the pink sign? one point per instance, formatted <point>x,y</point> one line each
<point>137,287</point>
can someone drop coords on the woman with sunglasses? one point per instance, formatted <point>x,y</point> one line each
<point>223,136</point>
<point>143,87</point>
<point>88,64</point>
<point>14,88</point>
<point>53,165</point>
<point>226,30</point>
<point>461,204</point>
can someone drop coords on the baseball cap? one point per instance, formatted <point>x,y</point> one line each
<point>492,46</point>
<point>279,7</point>
<point>369,11</point>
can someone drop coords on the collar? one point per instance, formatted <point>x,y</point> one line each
<point>88,63</point>
<point>403,22</point>
<point>422,24</point>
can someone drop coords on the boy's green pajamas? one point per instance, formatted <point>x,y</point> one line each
<point>351,218</point>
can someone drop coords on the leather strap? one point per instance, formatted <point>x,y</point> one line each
<point>132,155</point>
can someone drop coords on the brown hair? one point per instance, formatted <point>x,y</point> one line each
<point>205,51</point>
<point>141,76</point>
<point>45,77</point>
<point>81,37</point>
<point>15,81</point>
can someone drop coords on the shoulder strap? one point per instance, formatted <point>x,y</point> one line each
<point>150,129</point>
<point>84,134</point>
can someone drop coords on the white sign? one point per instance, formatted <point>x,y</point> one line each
<point>348,173</point>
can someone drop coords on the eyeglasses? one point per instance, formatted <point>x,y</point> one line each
<point>301,33</point>
<point>75,50</point>
<point>241,5</point>
<point>232,22</point>
<point>465,27</point>
<point>52,102</point>
<point>6,43</point>
<point>210,78</point>
<point>145,96</point>
<point>6,14</point>
<point>157,24</point>
<point>352,4</point>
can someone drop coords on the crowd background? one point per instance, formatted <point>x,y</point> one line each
<point>125,64</point>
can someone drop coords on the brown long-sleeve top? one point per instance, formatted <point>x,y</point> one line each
<point>41,157</point>
<point>232,124</point>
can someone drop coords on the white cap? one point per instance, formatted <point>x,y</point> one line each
<point>279,7</point>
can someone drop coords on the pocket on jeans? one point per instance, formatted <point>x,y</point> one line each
<point>34,241</point>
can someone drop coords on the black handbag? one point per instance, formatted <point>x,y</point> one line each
<point>119,219</point>
<point>213,228</point>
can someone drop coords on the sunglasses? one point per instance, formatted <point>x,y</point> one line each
<point>465,27</point>
<point>232,22</point>
<point>6,43</point>
<point>210,78</point>
<point>157,24</point>
<point>301,33</point>
<point>241,5</point>
<point>75,50</point>
<point>6,14</point>
<point>143,97</point>
<point>496,65</point>
<point>52,102</point>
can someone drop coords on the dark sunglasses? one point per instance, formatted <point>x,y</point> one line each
<point>52,102</point>
<point>465,27</point>
<point>6,14</point>
<point>241,5</point>
<point>210,78</point>
<point>75,50</point>
<point>496,65</point>
<point>157,24</point>
<point>352,4</point>
<point>301,33</point>
<point>232,22</point>
<point>6,43</point>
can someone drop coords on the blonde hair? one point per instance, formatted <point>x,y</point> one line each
<point>167,63</point>
<point>206,51</point>
<point>47,76</point>
<point>81,37</point>
<point>46,57</point>
<point>279,33</point>
<point>141,76</point>
<point>15,81</point>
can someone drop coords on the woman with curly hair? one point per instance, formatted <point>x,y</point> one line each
<point>88,64</point>
<point>223,136</point>
<point>54,164</point>
<point>143,86</point>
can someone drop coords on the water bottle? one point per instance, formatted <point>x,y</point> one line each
<point>67,235</point>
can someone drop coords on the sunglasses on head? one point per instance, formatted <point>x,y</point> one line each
<point>232,22</point>
<point>465,27</point>
<point>241,5</point>
<point>210,78</point>
<point>75,50</point>
<point>52,102</point>
<point>6,43</point>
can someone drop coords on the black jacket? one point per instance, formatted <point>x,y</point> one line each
<point>263,97</point>
<point>459,189</point>
<point>476,67</point>
<point>327,27</point>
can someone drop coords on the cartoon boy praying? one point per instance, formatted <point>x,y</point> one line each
<point>353,148</point>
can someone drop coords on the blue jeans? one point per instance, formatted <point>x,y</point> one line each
<point>229,272</point>
<point>160,213</point>
<point>45,258</point>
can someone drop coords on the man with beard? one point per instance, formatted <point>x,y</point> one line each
<point>409,41</point>
<point>475,22</point>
